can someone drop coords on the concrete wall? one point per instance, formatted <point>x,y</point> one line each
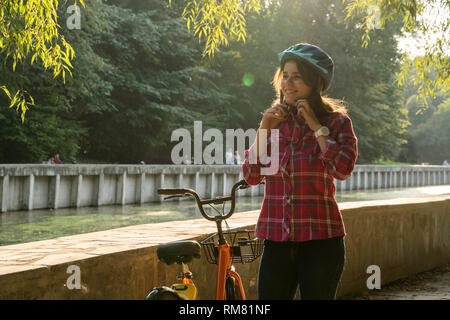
<point>402,237</point>
<point>28,187</point>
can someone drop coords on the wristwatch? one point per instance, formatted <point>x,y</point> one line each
<point>323,131</point>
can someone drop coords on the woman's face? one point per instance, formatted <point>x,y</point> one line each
<point>293,85</point>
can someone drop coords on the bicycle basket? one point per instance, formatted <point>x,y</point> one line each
<point>243,247</point>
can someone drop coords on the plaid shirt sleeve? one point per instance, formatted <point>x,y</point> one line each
<point>252,171</point>
<point>341,148</point>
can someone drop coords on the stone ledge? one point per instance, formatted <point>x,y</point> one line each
<point>19,257</point>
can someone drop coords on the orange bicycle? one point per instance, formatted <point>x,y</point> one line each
<point>241,248</point>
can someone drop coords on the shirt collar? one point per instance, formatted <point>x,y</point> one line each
<point>292,118</point>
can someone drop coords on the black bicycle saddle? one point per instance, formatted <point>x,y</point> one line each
<point>179,252</point>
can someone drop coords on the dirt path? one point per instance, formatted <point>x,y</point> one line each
<point>429,285</point>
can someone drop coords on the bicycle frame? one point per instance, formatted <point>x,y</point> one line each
<point>224,265</point>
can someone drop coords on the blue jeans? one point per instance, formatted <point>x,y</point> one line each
<point>315,265</point>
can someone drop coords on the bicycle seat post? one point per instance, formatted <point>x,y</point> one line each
<point>186,274</point>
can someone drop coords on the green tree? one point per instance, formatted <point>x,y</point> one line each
<point>30,28</point>
<point>138,75</point>
<point>50,128</point>
<point>214,21</point>
<point>430,139</point>
<point>157,83</point>
<point>419,117</point>
<point>364,77</point>
<point>61,109</point>
<point>414,22</point>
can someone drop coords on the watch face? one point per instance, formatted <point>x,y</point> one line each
<point>323,131</point>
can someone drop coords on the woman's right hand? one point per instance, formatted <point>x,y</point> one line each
<point>273,116</point>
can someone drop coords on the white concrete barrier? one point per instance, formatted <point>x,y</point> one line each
<point>29,186</point>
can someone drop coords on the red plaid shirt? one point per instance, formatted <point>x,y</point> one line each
<point>299,203</point>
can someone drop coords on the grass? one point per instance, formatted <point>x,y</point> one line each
<point>393,163</point>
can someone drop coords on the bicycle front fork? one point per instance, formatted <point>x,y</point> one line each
<point>224,268</point>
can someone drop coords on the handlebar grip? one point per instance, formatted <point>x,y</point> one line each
<point>170,192</point>
<point>243,184</point>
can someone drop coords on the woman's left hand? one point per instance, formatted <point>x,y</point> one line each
<point>305,110</point>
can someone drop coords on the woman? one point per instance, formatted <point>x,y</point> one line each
<point>299,219</point>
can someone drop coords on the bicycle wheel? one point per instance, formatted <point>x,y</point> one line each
<point>163,293</point>
<point>232,289</point>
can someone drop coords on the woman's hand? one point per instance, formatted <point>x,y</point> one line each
<point>273,116</point>
<point>271,120</point>
<point>305,110</point>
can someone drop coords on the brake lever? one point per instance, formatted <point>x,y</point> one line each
<point>169,197</point>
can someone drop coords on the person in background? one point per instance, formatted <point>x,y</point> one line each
<point>187,161</point>
<point>237,158</point>
<point>229,156</point>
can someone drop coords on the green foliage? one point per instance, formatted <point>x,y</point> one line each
<point>38,139</point>
<point>429,82</point>
<point>153,82</point>
<point>392,163</point>
<point>31,28</point>
<point>216,22</point>
<point>436,51</point>
<point>364,77</point>
<point>382,10</point>
<point>138,74</point>
<point>431,138</point>
<point>421,146</point>
<point>136,78</point>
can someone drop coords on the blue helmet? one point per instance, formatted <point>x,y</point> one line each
<point>312,55</point>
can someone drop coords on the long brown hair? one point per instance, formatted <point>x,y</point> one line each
<point>322,106</point>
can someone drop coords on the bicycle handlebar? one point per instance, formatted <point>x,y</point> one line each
<point>200,203</point>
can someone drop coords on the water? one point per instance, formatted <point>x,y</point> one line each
<point>27,226</point>
<point>392,193</point>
